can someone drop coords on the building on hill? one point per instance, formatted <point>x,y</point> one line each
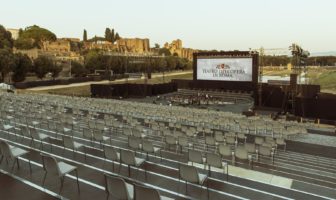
<point>175,47</point>
<point>99,44</point>
<point>60,45</point>
<point>71,39</point>
<point>133,45</point>
<point>14,32</point>
<point>31,53</point>
<point>56,55</point>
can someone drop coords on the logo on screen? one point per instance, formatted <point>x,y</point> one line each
<point>223,66</point>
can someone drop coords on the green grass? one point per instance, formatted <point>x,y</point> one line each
<point>326,79</point>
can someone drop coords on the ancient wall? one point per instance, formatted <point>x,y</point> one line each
<point>133,45</point>
<point>14,32</point>
<point>103,45</point>
<point>59,45</point>
<point>31,53</point>
<point>175,47</point>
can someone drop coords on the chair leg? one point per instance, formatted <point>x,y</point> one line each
<point>129,171</point>
<point>160,155</point>
<point>18,163</point>
<point>186,187</point>
<point>119,167</point>
<point>30,168</point>
<point>84,149</point>
<point>14,161</point>
<point>207,185</point>
<point>227,172</point>
<point>62,182</point>
<point>104,164</point>
<point>77,180</point>
<point>44,178</point>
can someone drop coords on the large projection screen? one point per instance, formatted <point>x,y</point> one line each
<point>224,69</point>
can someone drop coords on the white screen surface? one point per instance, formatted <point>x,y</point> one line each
<point>224,69</point>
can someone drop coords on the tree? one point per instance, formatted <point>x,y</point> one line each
<point>42,66</point>
<point>85,36</point>
<point>156,46</point>
<point>108,34</point>
<point>171,62</point>
<point>6,40</point>
<point>24,43</point>
<point>7,62</point>
<point>37,35</point>
<point>164,51</point>
<point>77,69</point>
<point>55,70</point>
<point>112,36</point>
<point>93,60</point>
<point>117,37</point>
<point>22,65</point>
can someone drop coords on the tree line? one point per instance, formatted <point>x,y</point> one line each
<point>310,61</point>
<point>18,66</point>
<point>95,60</point>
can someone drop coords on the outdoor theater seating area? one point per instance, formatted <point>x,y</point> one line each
<point>83,148</point>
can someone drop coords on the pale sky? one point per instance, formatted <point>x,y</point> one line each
<point>200,24</point>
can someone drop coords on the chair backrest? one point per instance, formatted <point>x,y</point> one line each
<point>219,137</point>
<point>280,141</point>
<point>241,135</point>
<point>134,142</point>
<point>265,151</point>
<point>170,139</point>
<point>5,149</point>
<point>68,142</point>
<point>98,134</point>
<point>116,186</point>
<point>241,153</point>
<point>33,133</point>
<point>147,146</point>
<point>195,156</point>
<point>127,157</point>
<point>224,150</point>
<point>210,140</point>
<point>127,131</point>
<point>110,153</point>
<point>50,164</point>
<point>178,134</point>
<point>189,173</point>
<point>87,133</point>
<point>137,133</point>
<point>230,140</point>
<point>259,140</point>
<point>214,160</point>
<point>25,131</point>
<point>143,192</point>
<point>251,148</point>
<point>269,139</point>
<point>183,141</point>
